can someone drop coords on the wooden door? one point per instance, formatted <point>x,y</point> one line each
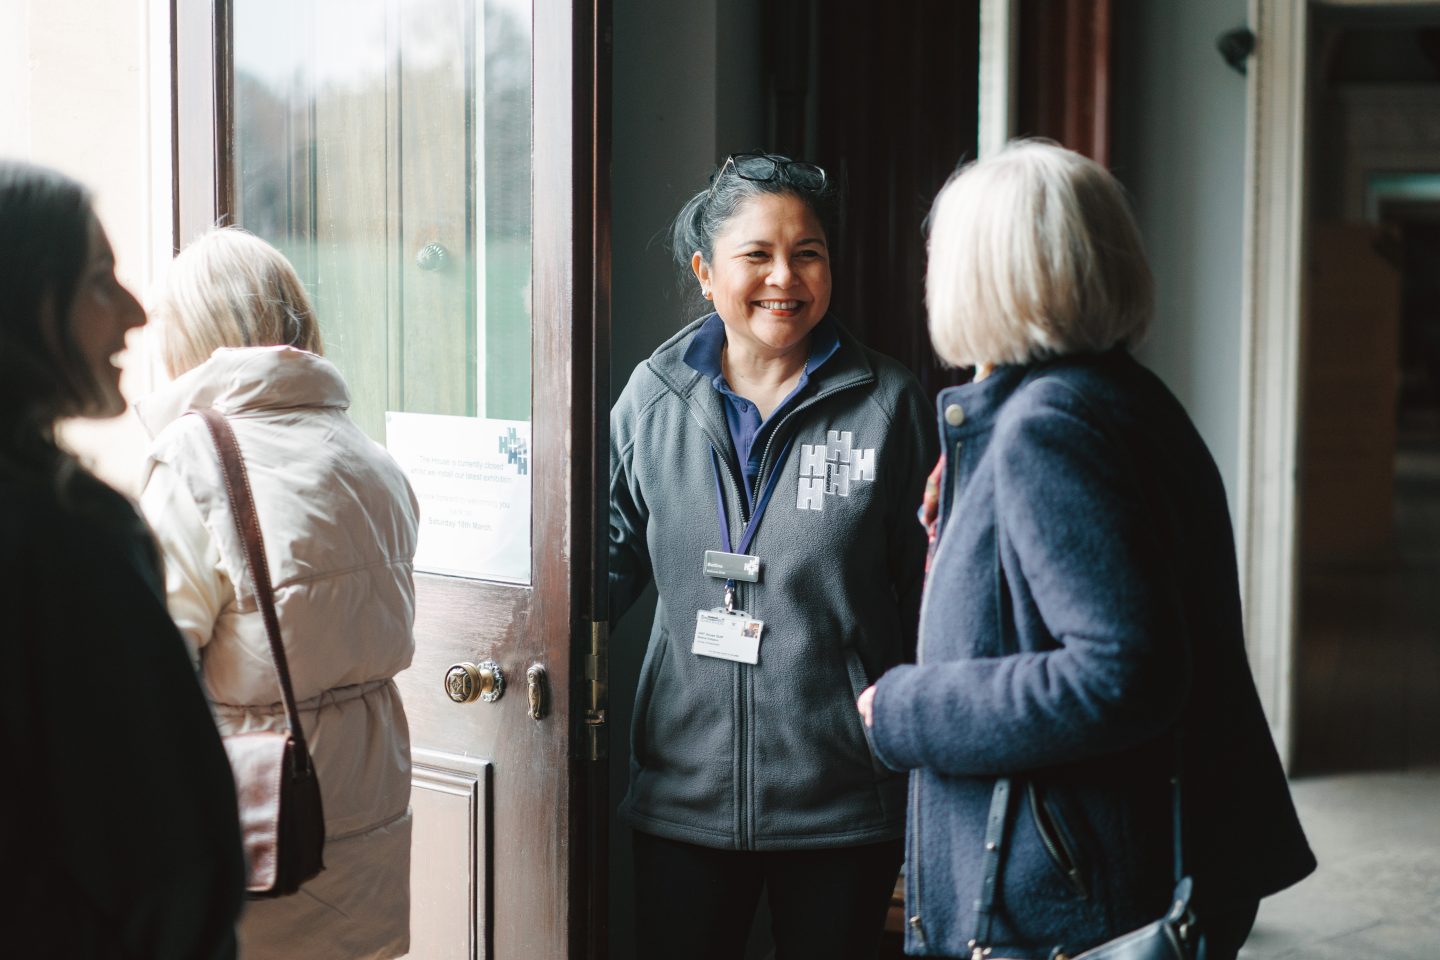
<point>431,167</point>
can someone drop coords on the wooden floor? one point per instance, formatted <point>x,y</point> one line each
<point>1368,670</point>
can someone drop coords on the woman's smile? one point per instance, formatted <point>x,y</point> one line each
<point>781,308</point>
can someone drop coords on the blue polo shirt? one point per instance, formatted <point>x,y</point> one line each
<point>747,430</point>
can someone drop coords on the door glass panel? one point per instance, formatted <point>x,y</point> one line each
<point>384,146</point>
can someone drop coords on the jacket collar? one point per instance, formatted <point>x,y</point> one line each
<point>980,402</point>
<point>975,405</point>
<point>847,366</point>
<point>247,379</point>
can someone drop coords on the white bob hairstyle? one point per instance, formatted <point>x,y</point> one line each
<point>1034,253</point>
<point>229,288</point>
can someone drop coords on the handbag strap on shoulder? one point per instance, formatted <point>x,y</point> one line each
<point>247,524</point>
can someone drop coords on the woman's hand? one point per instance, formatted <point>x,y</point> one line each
<point>866,704</point>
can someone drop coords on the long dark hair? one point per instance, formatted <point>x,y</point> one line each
<point>705,215</point>
<point>45,229</point>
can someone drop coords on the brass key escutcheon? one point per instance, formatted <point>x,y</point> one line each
<point>535,686</point>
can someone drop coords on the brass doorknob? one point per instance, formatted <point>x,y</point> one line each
<point>465,682</point>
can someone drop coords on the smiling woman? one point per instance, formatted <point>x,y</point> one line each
<point>102,314</point>
<point>749,767</point>
<point>82,588</point>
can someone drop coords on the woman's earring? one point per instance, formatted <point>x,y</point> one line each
<point>705,292</point>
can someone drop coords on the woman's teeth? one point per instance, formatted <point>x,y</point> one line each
<point>780,304</point>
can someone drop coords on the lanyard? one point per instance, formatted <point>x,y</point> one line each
<point>754,523</point>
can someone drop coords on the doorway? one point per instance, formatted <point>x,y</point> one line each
<point>1367,683</point>
<point>432,168</point>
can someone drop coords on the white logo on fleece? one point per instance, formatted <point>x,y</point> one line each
<point>827,469</point>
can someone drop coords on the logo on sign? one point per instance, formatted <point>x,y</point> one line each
<point>827,469</point>
<point>516,451</point>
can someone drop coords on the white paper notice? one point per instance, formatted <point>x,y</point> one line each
<point>472,478</point>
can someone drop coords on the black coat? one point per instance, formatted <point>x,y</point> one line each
<point>118,826</point>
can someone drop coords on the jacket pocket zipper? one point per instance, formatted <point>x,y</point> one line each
<point>912,868</point>
<point>1050,825</point>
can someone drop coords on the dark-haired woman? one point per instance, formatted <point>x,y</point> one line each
<point>118,822</point>
<point>765,469</point>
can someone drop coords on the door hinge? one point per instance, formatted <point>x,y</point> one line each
<point>597,696</point>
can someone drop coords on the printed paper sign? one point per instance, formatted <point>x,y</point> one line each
<point>472,478</point>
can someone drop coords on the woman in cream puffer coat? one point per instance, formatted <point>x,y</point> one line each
<point>339,522</point>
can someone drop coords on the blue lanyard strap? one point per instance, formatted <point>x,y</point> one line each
<point>760,504</point>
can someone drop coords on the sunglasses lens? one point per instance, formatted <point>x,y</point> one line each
<point>805,175</point>
<point>752,167</point>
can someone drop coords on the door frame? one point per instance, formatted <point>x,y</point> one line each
<point>570,349</point>
<point>1270,350</point>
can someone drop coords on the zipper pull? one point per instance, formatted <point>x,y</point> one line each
<point>919,931</point>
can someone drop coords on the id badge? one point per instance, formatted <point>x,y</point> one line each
<point>731,636</point>
<point>732,566</point>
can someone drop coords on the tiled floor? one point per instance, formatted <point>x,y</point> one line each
<point>1376,894</point>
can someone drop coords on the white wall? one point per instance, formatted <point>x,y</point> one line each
<point>687,92</point>
<point>1179,146</point>
<point>84,87</point>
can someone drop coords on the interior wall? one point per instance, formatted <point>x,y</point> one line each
<point>1179,147</point>
<point>687,92</point>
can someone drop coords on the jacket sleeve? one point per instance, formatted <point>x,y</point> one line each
<point>196,589</point>
<point>906,543</point>
<point>630,569</point>
<point>1068,502</point>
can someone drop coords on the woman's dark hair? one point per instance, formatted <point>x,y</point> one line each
<point>705,215</point>
<point>45,224</point>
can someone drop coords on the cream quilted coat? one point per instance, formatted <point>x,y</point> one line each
<point>339,521</point>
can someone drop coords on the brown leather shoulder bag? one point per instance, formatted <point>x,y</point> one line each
<point>282,823</point>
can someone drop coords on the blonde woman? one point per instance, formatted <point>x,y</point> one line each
<point>1080,636</point>
<point>236,330</point>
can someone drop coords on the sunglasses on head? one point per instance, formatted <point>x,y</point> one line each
<point>762,167</point>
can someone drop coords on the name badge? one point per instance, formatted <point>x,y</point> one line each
<point>732,566</point>
<point>731,636</point>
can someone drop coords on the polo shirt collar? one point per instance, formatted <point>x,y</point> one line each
<point>703,354</point>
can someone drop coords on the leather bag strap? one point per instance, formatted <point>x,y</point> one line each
<point>995,826</point>
<point>999,818</point>
<point>247,524</point>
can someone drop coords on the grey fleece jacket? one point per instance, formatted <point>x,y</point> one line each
<point>772,756</point>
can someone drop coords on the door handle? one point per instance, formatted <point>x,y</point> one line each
<point>433,257</point>
<point>466,682</point>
